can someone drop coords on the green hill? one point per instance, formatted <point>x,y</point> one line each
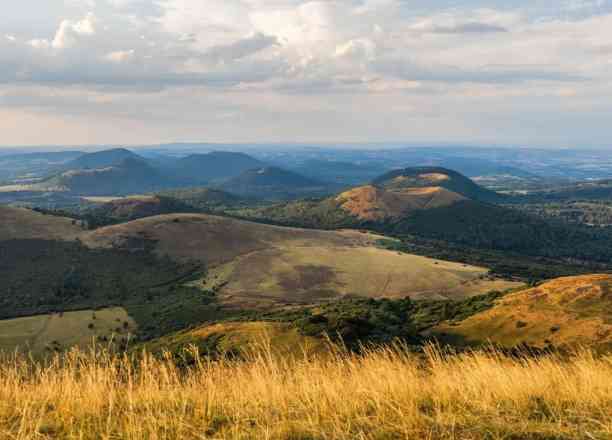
<point>214,166</point>
<point>424,177</point>
<point>129,176</point>
<point>273,183</point>
<point>101,159</point>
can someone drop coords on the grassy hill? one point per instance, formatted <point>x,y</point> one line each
<point>566,312</point>
<point>214,166</point>
<point>435,177</point>
<point>252,265</point>
<point>274,183</point>
<point>18,223</point>
<point>101,159</point>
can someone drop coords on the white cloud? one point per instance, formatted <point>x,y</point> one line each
<point>69,31</point>
<point>120,56</point>
<point>259,54</point>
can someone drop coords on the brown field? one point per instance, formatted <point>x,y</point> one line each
<point>384,394</point>
<point>45,333</point>
<point>373,203</point>
<point>569,311</point>
<point>18,223</point>
<point>260,264</point>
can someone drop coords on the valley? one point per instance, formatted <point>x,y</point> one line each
<point>226,239</point>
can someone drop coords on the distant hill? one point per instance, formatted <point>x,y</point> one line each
<point>274,183</point>
<point>345,173</point>
<point>101,159</point>
<point>566,312</point>
<point>390,198</point>
<point>441,205</point>
<point>436,177</point>
<point>206,199</point>
<point>129,176</point>
<point>215,166</point>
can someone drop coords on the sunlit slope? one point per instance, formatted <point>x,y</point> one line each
<point>374,203</point>
<point>241,338</point>
<point>568,311</point>
<point>17,223</point>
<point>254,264</point>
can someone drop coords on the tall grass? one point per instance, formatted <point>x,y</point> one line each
<point>383,394</point>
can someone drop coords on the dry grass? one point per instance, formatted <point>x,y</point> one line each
<point>385,394</point>
<point>569,311</point>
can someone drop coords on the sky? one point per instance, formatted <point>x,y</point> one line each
<point>528,72</point>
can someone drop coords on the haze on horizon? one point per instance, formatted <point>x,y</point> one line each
<point>151,71</point>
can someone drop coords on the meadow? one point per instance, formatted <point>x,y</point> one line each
<point>384,393</point>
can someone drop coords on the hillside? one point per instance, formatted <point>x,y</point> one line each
<point>423,205</point>
<point>215,166</point>
<point>206,199</point>
<point>373,203</point>
<point>101,159</point>
<point>17,223</point>
<point>344,173</point>
<point>274,183</point>
<point>566,312</point>
<point>435,177</point>
<point>128,176</point>
<point>132,208</point>
<point>254,265</point>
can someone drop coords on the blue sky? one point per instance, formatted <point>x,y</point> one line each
<point>144,71</point>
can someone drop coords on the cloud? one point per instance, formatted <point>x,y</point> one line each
<point>70,32</point>
<point>241,48</point>
<point>341,57</point>
<point>120,56</point>
<point>469,28</point>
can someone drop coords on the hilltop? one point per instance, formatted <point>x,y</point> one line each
<point>565,312</point>
<point>435,177</point>
<point>214,166</point>
<point>101,159</point>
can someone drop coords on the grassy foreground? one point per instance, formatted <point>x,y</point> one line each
<point>383,394</point>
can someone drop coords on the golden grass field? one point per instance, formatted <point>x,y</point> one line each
<point>383,394</point>
<point>259,265</point>
<point>45,333</point>
<point>569,311</point>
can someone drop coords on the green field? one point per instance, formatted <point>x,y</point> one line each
<point>47,333</point>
